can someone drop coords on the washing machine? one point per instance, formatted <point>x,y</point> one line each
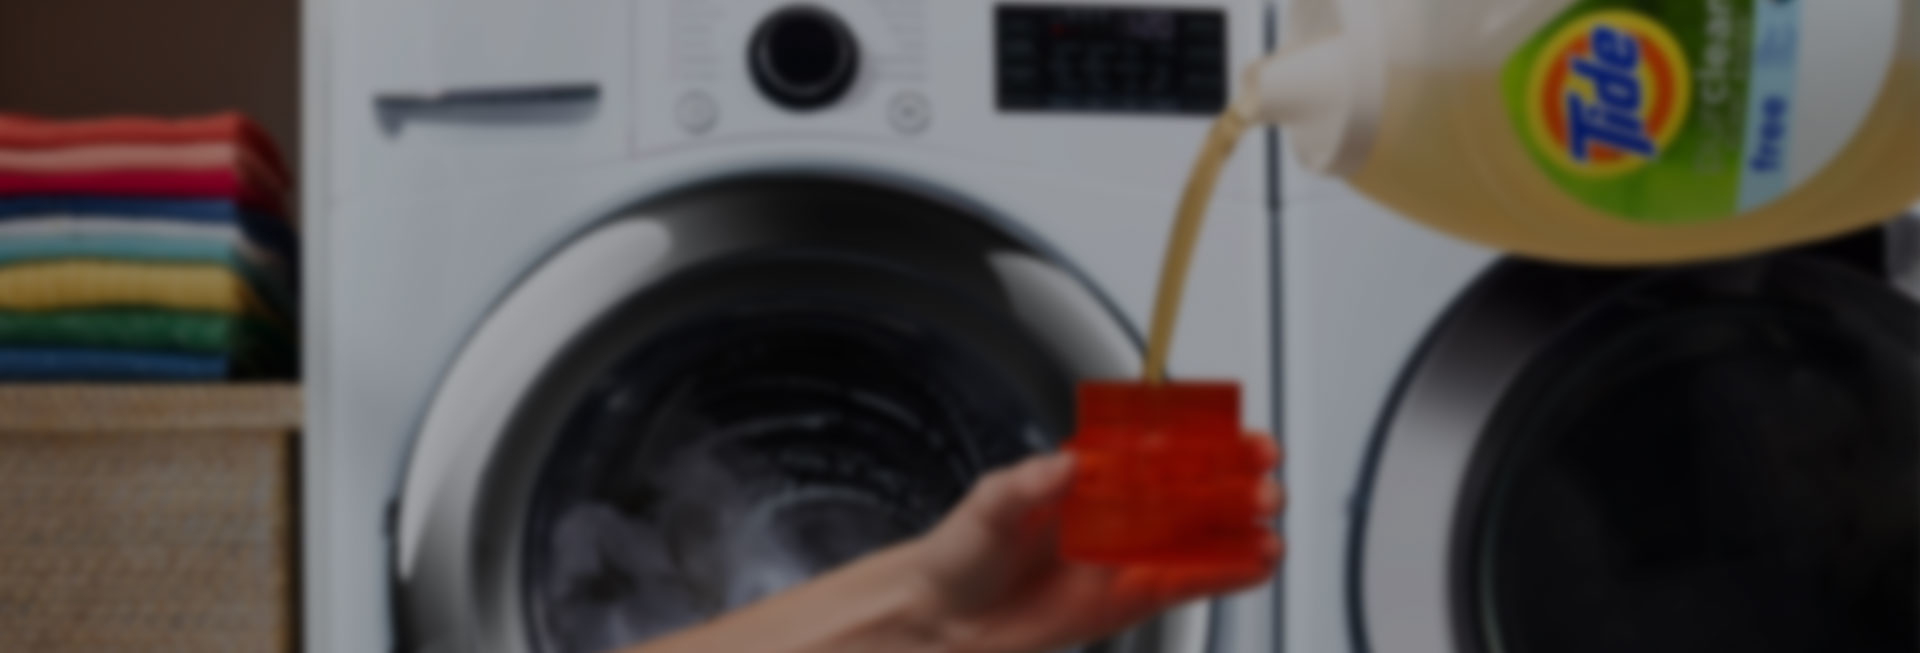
<point>1495,455</point>
<point>625,313</point>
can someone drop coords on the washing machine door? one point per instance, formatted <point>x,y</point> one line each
<point>723,392</point>
<point>1712,458</point>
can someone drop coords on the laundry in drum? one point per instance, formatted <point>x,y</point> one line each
<point>781,442</point>
<point>145,248</point>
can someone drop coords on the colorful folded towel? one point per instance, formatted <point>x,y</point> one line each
<point>201,184</point>
<point>218,250</point>
<point>135,226</point>
<point>27,232</point>
<point>142,329</point>
<point>120,158</point>
<point>20,131</point>
<point>209,210</point>
<point>57,364</point>
<point>269,232</point>
<point>271,277</point>
<point>56,285</point>
<point>137,248</point>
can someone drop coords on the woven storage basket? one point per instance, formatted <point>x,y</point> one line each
<point>147,518</point>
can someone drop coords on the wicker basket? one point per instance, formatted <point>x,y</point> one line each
<point>147,518</point>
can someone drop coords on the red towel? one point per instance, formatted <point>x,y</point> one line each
<point>203,184</point>
<point>126,158</point>
<point>19,131</point>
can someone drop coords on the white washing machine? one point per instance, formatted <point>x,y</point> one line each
<point>626,312</point>
<point>1488,455</point>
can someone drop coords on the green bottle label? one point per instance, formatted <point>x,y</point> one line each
<point>1660,111</point>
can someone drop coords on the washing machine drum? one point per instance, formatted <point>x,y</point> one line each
<point>804,372</point>
<point>1715,457</point>
<point>750,446</point>
<point>1740,476</point>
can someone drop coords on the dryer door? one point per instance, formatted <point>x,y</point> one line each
<point>724,392</point>
<point>1721,457</point>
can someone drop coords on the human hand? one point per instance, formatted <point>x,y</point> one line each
<point>1002,587</point>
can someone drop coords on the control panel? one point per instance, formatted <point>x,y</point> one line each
<point>1076,88</point>
<point>1082,58</point>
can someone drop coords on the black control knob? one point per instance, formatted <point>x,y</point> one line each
<point>803,57</point>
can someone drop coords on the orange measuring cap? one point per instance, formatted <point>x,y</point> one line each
<point>1163,474</point>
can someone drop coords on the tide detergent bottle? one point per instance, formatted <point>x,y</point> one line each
<point>1607,131</point>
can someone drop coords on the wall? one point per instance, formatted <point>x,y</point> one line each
<point>83,57</point>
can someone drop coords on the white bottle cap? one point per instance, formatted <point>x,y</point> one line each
<point>1326,87</point>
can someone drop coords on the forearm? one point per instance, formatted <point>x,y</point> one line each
<point>880,603</point>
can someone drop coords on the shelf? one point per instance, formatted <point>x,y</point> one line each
<point>148,517</point>
<point>149,407</point>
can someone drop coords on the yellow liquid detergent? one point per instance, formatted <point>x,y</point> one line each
<point>1214,152</point>
<point>1609,131</point>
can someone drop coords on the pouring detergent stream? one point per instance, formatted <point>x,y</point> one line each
<point>1600,132</point>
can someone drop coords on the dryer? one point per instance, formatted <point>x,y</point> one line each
<point>626,313</point>
<point>1491,455</point>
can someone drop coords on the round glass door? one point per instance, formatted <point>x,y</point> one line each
<point>1694,469</point>
<point>792,416</point>
<point>1714,457</point>
<point>726,391</point>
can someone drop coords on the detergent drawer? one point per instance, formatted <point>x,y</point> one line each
<point>433,92</point>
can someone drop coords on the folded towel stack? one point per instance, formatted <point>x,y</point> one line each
<point>137,248</point>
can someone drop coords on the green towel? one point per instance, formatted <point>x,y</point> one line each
<point>255,345</point>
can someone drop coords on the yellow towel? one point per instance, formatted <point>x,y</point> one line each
<point>92,284</point>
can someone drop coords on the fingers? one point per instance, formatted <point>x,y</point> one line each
<point>1002,499</point>
<point>1269,498</point>
<point>1158,586</point>
<point>1265,450</point>
<point>1184,583</point>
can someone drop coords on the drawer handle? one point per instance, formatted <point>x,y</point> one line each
<point>531,102</point>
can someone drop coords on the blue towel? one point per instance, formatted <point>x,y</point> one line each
<point>270,232</point>
<point>59,364</point>
<point>198,210</point>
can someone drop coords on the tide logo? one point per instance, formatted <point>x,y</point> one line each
<point>1608,93</point>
